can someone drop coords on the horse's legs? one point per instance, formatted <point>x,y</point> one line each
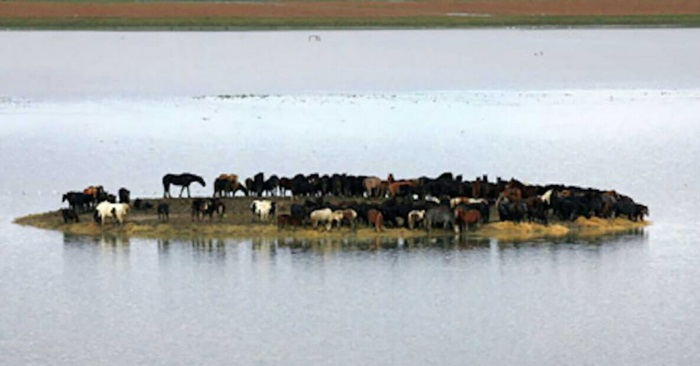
<point>188,192</point>
<point>181,190</point>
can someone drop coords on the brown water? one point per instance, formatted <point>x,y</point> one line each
<point>628,299</point>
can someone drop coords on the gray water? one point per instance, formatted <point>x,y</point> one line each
<point>624,299</point>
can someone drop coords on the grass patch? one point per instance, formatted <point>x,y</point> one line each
<point>240,226</point>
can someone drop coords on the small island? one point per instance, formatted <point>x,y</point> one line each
<point>505,210</point>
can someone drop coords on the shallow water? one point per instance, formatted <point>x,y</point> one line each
<point>627,299</point>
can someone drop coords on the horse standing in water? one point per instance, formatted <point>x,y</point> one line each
<point>184,180</point>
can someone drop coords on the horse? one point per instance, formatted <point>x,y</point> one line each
<point>117,211</point>
<point>536,209</point>
<point>289,220</point>
<point>348,215</point>
<point>285,185</point>
<point>440,215</point>
<point>373,186</point>
<point>396,187</point>
<point>69,215</point>
<point>93,190</point>
<point>393,186</point>
<point>258,183</point>
<point>262,209</point>
<point>124,195</point>
<point>228,183</point>
<point>215,206</point>
<point>78,200</point>
<point>415,217</point>
<point>208,207</point>
<point>376,219</point>
<point>97,193</point>
<point>140,204</point>
<point>510,210</point>
<point>163,211</point>
<point>324,215</point>
<point>513,193</point>
<point>633,211</point>
<point>271,184</point>
<point>198,208</point>
<point>184,180</point>
<point>467,218</point>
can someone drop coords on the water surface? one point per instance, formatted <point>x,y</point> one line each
<point>623,119</point>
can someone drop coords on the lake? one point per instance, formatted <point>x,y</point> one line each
<point>612,108</point>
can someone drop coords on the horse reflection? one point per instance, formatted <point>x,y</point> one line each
<point>209,245</point>
<point>113,241</point>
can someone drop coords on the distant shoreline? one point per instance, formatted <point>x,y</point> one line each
<point>243,25</point>
<point>329,14</point>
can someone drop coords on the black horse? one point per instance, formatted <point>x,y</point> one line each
<point>124,195</point>
<point>69,215</point>
<point>163,211</point>
<point>184,180</point>
<point>78,201</point>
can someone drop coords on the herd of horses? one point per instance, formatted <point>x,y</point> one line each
<point>447,201</point>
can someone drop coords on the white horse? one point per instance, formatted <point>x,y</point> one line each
<point>324,216</point>
<point>117,211</point>
<point>547,197</point>
<point>262,209</point>
<point>349,214</point>
<point>415,217</point>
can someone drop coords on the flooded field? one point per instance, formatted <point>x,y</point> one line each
<point>617,299</point>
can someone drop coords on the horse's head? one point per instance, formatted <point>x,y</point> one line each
<point>200,180</point>
<point>65,197</point>
<point>643,211</point>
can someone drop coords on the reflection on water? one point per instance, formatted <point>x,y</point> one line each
<point>268,248</point>
<point>106,240</point>
<point>308,298</point>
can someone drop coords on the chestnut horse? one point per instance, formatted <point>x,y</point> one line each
<point>375,218</point>
<point>228,183</point>
<point>394,186</point>
<point>467,218</point>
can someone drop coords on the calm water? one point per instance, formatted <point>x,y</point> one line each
<point>627,121</point>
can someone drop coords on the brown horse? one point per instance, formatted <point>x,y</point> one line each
<point>512,193</point>
<point>394,187</point>
<point>476,188</point>
<point>289,220</point>
<point>347,215</point>
<point>467,218</point>
<point>228,183</point>
<point>375,218</point>
<point>93,190</point>
<point>373,187</point>
<point>526,191</point>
